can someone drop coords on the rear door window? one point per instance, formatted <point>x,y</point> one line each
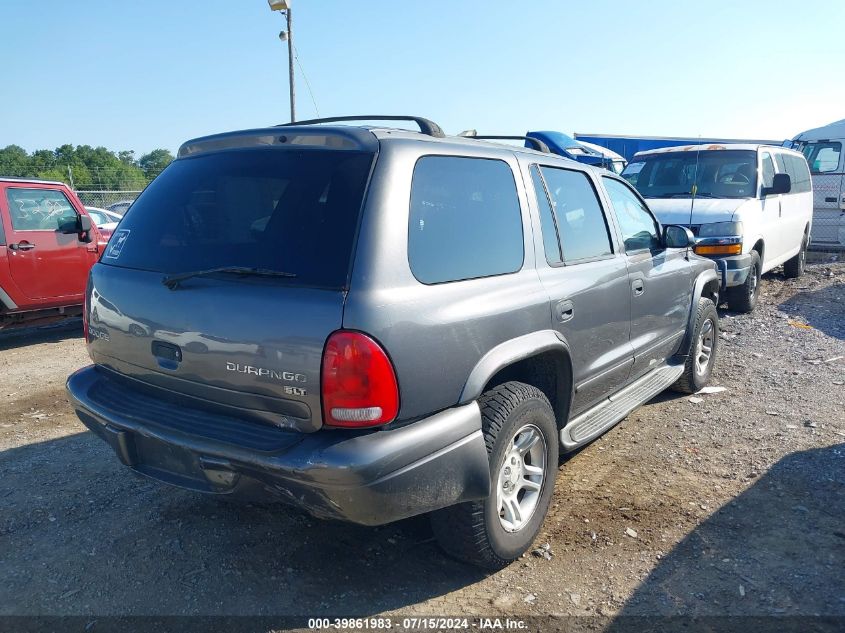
<point>292,211</point>
<point>465,220</point>
<point>580,220</point>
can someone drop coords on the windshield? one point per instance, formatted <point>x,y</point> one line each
<point>715,174</point>
<point>277,210</point>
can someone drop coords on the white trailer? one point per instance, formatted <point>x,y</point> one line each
<point>823,148</point>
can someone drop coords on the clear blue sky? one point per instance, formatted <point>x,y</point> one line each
<point>152,73</point>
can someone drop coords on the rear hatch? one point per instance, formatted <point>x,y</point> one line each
<point>280,221</point>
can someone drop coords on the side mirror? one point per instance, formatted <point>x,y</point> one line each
<point>83,224</point>
<point>675,236</point>
<point>781,183</point>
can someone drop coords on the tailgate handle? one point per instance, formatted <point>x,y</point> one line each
<point>167,352</point>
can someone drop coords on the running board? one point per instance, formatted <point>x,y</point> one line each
<point>607,413</point>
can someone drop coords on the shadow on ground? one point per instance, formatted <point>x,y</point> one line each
<point>21,337</point>
<point>823,309</point>
<point>753,556</point>
<point>80,534</point>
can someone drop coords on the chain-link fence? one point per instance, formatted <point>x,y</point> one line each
<point>117,201</point>
<point>828,213</point>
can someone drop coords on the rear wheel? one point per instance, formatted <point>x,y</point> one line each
<point>703,345</point>
<point>794,267</point>
<point>743,298</point>
<point>521,437</point>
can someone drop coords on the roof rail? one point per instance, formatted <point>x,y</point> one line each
<point>539,145</point>
<point>426,126</point>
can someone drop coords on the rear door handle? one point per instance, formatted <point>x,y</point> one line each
<point>564,310</point>
<point>638,287</point>
<point>22,246</point>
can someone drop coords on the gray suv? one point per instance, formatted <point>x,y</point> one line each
<point>372,323</point>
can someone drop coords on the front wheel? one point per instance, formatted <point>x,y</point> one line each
<point>521,436</point>
<point>704,342</point>
<point>743,298</point>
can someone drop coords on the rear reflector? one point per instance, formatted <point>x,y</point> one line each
<point>358,382</point>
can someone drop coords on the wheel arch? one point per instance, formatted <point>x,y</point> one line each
<point>540,359</point>
<point>707,285</point>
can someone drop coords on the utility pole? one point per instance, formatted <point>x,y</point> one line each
<point>284,7</point>
<point>289,16</point>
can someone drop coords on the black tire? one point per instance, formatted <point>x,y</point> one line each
<point>794,268</point>
<point>743,298</point>
<point>696,373</point>
<point>473,532</point>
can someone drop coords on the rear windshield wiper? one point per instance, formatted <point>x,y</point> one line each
<point>173,281</point>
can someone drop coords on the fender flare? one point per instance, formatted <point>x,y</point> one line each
<point>507,353</point>
<point>701,281</point>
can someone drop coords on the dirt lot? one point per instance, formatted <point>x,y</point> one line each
<point>731,505</point>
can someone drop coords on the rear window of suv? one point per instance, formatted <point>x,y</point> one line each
<point>282,210</point>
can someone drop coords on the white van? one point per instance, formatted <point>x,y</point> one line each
<point>823,149</point>
<point>750,207</point>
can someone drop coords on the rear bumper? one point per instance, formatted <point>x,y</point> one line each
<point>369,478</point>
<point>733,269</point>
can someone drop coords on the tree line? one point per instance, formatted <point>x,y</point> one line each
<point>85,167</point>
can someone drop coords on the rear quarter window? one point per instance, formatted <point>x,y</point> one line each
<point>465,220</point>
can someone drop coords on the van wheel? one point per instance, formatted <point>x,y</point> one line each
<point>743,298</point>
<point>702,353</point>
<point>794,267</point>
<point>522,443</point>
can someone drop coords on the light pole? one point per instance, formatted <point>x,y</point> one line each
<point>284,7</point>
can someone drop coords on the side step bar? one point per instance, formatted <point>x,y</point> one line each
<point>590,424</point>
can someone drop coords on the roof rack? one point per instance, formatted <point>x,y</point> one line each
<point>539,145</point>
<point>426,126</point>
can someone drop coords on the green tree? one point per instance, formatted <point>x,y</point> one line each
<point>127,156</point>
<point>154,162</point>
<point>14,161</point>
<point>86,166</point>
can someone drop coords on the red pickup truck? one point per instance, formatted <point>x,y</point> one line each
<point>47,245</point>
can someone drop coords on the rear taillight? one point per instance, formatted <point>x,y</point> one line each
<point>358,382</point>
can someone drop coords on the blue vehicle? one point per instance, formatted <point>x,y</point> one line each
<point>587,153</point>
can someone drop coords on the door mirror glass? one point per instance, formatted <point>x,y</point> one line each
<point>677,237</point>
<point>781,183</point>
<point>84,224</point>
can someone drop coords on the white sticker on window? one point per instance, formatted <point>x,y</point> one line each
<point>116,243</point>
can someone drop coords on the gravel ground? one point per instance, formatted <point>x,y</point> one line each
<point>734,504</point>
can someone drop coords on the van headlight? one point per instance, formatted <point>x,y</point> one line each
<point>720,229</point>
